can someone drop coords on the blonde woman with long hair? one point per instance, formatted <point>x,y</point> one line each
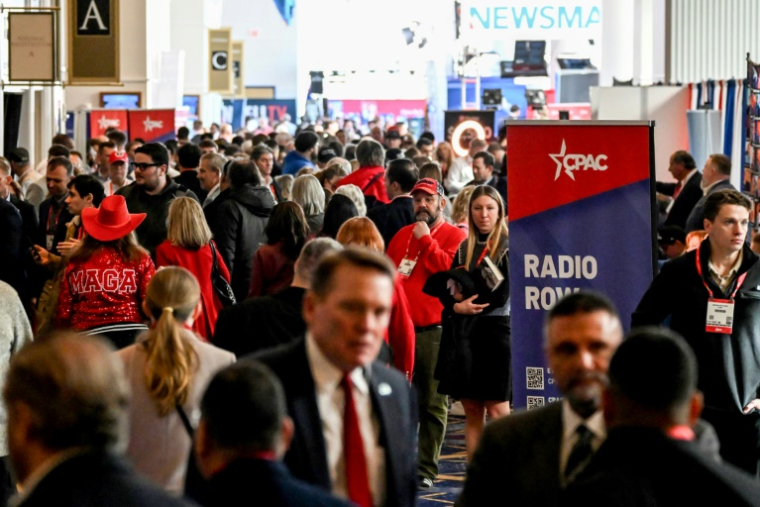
<point>190,246</point>
<point>475,355</point>
<point>168,368</point>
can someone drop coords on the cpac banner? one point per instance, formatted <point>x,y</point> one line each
<point>152,125</point>
<point>581,210</point>
<point>103,119</point>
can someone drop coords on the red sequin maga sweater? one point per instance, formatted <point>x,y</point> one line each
<point>103,290</point>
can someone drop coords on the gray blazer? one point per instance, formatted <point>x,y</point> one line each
<point>159,446</point>
<point>517,460</point>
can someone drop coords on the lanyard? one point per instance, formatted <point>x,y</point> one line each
<point>50,215</point>
<point>739,281</point>
<point>482,256</point>
<point>409,243</point>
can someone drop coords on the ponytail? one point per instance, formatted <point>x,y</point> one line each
<point>171,359</point>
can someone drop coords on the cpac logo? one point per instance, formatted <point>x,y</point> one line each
<point>576,162</point>
<point>105,123</point>
<point>152,124</point>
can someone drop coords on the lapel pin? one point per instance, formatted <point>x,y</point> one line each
<point>384,389</point>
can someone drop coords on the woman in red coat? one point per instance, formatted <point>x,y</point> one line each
<point>189,245</point>
<point>361,231</point>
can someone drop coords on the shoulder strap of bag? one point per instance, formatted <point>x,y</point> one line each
<point>374,179</point>
<point>214,266</point>
<point>185,421</point>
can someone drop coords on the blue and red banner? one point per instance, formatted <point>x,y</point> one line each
<point>103,119</point>
<point>152,125</point>
<point>580,216</point>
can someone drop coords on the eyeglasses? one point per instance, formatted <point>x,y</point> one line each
<point>143,166</point>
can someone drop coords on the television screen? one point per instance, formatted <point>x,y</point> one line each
<point>120,100</point>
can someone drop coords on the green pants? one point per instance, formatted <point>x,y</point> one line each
<point>433,407</point>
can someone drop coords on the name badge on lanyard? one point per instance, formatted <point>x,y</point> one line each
<point>720,312</point>
<point>406,267</point>
<point>720,316</point>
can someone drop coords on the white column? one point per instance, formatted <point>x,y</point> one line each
<point>617,41</point>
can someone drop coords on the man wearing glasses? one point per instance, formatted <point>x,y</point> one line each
<point>151,193</point>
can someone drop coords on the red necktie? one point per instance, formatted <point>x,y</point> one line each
<point>353,451</point>
<point>677,190</point>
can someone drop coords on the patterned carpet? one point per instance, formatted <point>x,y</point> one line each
<point>452,467</point>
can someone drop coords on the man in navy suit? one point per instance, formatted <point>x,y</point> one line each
<point>651,456</point>
<point>685,192</point>
<point>67,400</point>
<point>243,434</point>
<point>361,448</point>
<point>399,182</point>
<point>529,456</point>
<point>482,169</point>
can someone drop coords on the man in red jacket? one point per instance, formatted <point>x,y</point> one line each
<point>419,250</point>
<point>370,177</point>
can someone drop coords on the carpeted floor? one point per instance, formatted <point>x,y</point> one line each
<point>452,467</point>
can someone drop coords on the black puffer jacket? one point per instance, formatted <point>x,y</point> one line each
<point>239,231</point>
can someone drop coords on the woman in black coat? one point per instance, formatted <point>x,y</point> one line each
<point>241,219</point>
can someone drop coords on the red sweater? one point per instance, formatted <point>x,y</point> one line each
<point>434,253</point>
<point>105,289</point>
<point>361,178</point>
<point>199,263</point>
<point>400,334</point>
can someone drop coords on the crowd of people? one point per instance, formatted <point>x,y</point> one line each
<point>289,315</point>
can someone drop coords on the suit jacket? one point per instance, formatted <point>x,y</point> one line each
<point>60,228</point>
<point>11,232</point>
<point>517,456</point>
<point>643,467</point>
<point>690,194</point>
<point>695,221</point>
<point>248,482</point>
<point>211,210</point>
<point>390,218</point>
<point>190,179</point>
<point>395,408</point>
<point>29,218</point>
<point>95,479</point>
<point>261,323</point>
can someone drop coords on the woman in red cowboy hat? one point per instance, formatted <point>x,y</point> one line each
<point>105,281</point>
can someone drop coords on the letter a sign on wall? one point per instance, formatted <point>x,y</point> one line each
<point>93,42</point>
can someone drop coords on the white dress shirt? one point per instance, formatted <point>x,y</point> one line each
<point>570,423</point>
<point>331,402</point>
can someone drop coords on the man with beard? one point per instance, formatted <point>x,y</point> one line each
<point>532,455</point>
<point>419,250</point>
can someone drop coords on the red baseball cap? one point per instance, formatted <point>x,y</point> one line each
<point>118,156</point>
<point>429,186</point>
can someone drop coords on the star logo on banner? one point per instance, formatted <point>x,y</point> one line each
<point>152,124</point>
<point>559,159</point>
<point>104,122</point>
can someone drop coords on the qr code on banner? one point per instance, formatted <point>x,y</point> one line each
<point>535,377</point>
<point>535,402</point>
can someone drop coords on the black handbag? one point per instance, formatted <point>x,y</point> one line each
<point>221,286</point>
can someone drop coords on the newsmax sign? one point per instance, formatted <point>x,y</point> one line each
<point>536,19</point>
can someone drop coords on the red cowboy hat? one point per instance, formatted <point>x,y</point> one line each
<point>111,220</point>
